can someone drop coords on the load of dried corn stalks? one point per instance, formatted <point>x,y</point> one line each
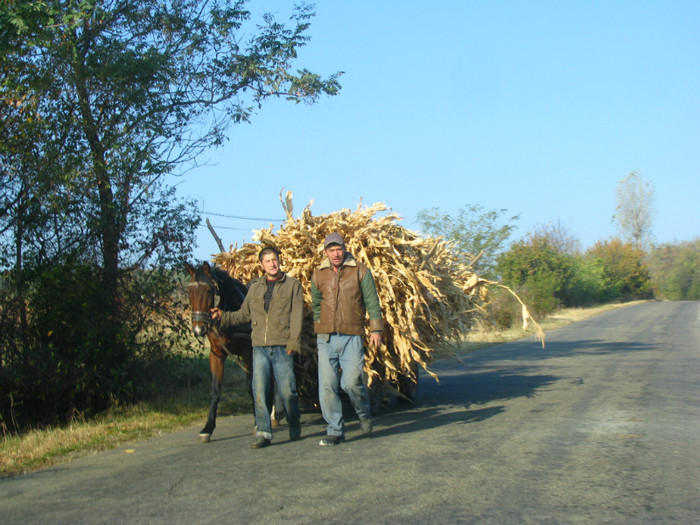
<point>428,293</point>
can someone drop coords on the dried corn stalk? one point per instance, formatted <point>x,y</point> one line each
<point>428,295</point>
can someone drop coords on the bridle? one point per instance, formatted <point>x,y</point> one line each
<point>204,316</point>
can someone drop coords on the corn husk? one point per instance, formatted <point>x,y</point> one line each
<point>429,294</point>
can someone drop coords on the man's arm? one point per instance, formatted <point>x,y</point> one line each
<point>315,301</point>
<point>227,319</point>
<point>371,299</point>
<point>374,309</point>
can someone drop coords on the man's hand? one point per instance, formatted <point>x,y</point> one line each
<point>375,339</point>
<point>215,314</point>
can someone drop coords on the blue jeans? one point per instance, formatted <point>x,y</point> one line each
<point>345,352</point>
<point>275,360</point>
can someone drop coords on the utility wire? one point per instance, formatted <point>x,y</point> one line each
<point>230,228</point>
<point>241,217</point>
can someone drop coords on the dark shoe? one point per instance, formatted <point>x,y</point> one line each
<point>260,442</point>
<point>330,441</point>
<point>294,432</point>
<point>366,427</point>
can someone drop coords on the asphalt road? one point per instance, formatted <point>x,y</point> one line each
<point>600,427</point>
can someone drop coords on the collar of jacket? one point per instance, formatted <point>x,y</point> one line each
<point>348,261</point>
<point>263,278</point>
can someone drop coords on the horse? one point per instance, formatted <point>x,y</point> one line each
<point>205,283</point>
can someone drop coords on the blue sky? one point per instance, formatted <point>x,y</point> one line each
<point>536,107</point>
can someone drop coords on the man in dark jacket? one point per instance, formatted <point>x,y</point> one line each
<point>342,293</point>
<point>274,306</point>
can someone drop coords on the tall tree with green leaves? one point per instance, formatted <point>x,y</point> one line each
<point>138,89</point>
<point>474,231</point>
<point>100,100</point>
<point>635,210</point>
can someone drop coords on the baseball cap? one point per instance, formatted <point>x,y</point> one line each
<point>333,238</point>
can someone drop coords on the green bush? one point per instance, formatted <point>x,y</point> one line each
<point>77,353</point>
<point>539,272</point>
<point>588,286</point>
<point>674,269</point>
<point>625,275</point>
<point>502,312</point>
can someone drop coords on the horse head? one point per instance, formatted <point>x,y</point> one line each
<point>202,290</point>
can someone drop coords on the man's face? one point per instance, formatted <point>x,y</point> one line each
<point>270,264</point>
<point>335,254</point>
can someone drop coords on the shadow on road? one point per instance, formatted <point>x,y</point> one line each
<point>589,347</point>
<point>469,389</point>
<point>478,387</point>
<point>458,397</point>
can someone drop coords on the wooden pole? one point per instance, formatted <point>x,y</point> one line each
<point>216,237</point>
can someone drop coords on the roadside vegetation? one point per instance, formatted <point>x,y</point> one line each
<point>178,404</point>
<point>184,406</point>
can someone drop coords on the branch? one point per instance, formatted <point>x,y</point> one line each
<point>216,237</point>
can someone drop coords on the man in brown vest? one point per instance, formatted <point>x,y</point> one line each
<point>342,293</point>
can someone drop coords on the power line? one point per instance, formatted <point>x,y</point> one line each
<point>230,228</point>
<point>241,217</point>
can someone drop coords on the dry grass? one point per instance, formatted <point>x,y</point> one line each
<point>479,339</point>
<point>43,447</point>
<point>39,449</point>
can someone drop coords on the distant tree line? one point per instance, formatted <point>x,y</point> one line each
<point>547,269</point>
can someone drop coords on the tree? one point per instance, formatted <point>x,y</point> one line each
<point>675,270</point>
<point>634,211</point>
<point>559,236</point>
<point>539,271</point>
<point>100,100</point>
<point>473,231</point>
<point>625,274</point>
<point>140,88</point>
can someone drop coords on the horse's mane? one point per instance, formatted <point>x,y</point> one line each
<point>232,292</point>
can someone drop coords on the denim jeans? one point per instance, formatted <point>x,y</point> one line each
<point>345,352</point>
<point>268,360</point>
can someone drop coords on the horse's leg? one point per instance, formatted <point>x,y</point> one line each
<point>216,366</point>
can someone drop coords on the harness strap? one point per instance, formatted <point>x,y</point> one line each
<point>202,316</point>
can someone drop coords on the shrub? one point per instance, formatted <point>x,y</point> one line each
<point>539,272</point>
<point>674,270</point>
<point>624,273</point>
<point>76,354</point>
